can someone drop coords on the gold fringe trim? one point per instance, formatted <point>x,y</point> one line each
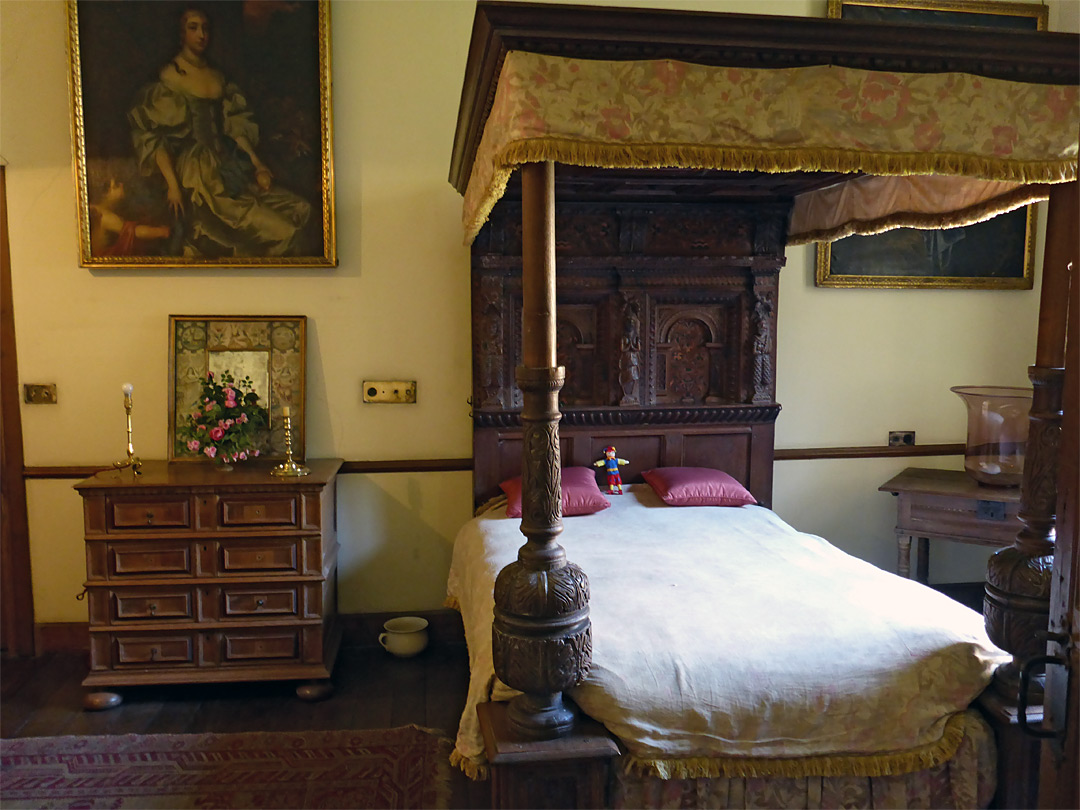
<point>700,156</point>
<point>1017,198</point>
<point>452,603</point>
<point>476,770</point>
<point>885,764</point>
<point>740,158</point>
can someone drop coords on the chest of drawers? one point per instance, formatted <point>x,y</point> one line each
<point>195,575</point>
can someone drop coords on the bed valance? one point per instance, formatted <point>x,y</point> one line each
<point>929,150</point>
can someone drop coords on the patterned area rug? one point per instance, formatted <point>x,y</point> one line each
<point>380,768</point>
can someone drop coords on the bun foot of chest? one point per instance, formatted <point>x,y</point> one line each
<point>100,701</point>
<point>315,690</point>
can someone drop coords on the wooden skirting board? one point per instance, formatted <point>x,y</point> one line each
<point>360,630</point>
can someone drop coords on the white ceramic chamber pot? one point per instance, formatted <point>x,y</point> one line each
<point>405,636</point>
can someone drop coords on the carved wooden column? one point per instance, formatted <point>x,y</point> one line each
<point>1018,577</point>
<point>541,635</point>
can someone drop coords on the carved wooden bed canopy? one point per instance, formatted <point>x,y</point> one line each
<point>757,131</point>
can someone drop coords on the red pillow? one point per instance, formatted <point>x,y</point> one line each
<point>697,486</point>
<point>580,494</point>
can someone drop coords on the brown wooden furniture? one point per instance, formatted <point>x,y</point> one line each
<point>195,575</point>
<point>948,505</point>
<point>728,40</point>
<point>668,341</point>
<point>1018,751</point>
<point>570,772</point>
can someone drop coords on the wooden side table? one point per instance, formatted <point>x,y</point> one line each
<point>949,505</point>
<point>568,772</point>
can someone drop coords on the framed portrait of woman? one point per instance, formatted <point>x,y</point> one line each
<point>202,133</point>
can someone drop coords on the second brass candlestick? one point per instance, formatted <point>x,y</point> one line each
<point>289,467</point>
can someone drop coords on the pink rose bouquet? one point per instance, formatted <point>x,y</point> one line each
<point>227,423</point>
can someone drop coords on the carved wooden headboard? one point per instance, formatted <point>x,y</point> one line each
<point>666,323</point>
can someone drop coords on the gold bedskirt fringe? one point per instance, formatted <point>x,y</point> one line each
<point>477,771</point>
<point>699,156</point>
<point>1017,198</point>
<point>884,764</point>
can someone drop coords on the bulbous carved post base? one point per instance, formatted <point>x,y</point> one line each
<point>540,717</point>
<point>541,641</point>
<point>1017,607</point>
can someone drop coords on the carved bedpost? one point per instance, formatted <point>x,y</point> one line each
<point>541,635</point>
<point>1018,577</point>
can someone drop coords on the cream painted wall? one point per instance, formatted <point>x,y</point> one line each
<point>853,364</point>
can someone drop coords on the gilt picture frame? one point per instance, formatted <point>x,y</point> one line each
<point>270,350</point>
<point>202,136</point>
<point>997,254</point>
<point>981,13</point>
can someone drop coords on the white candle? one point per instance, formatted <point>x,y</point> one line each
<point>285,410</point>
<point>127,388</point>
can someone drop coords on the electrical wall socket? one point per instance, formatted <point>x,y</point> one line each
<point>901,438</point>
<point>390,391</point>
<point>39,393</point>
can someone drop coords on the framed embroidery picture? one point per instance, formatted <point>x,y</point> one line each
<point>202,134</point>
<point>996,254</point>
<point>260,355</point>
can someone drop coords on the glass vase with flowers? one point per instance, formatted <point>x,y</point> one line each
<point>227,423</point>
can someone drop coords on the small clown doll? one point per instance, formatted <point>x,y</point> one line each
<point>611,463</point>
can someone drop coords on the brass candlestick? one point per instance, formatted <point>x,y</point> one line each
<point>289,467</point>
<point>132,459</point>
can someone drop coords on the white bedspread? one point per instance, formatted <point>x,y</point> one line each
<point>723,632</point>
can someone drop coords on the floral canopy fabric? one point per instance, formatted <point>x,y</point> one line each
<point>926,150</point>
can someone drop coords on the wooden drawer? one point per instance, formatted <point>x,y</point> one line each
<point>252,646</point>
<point>246,603</point>
<point>239,511</point>
<point>160,604</point>
<point>142,514</point>
<point>986,521</point>
<point>162,651</point>
<point>149,558</point>
<point>264,555</point>
<point>125,606</point>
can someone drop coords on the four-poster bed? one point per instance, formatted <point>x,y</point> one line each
<point>691,148</point>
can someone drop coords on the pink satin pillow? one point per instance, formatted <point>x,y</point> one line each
<point>697,486</point>
<point>580,494</point>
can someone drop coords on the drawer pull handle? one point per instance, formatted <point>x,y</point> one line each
<point>259,557</point>
<point>153,653</point>
<point>149,518</point>
<point>258,603</point>
<point>153,608</point>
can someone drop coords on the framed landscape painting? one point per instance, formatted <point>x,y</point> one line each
<point>997,254</point>
<point>202,134</point>
<point>270,351</point>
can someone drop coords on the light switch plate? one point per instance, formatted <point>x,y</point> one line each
<point>390,391</point>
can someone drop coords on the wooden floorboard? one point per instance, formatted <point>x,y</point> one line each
<point>39,691</point>
<point>42,697</point>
